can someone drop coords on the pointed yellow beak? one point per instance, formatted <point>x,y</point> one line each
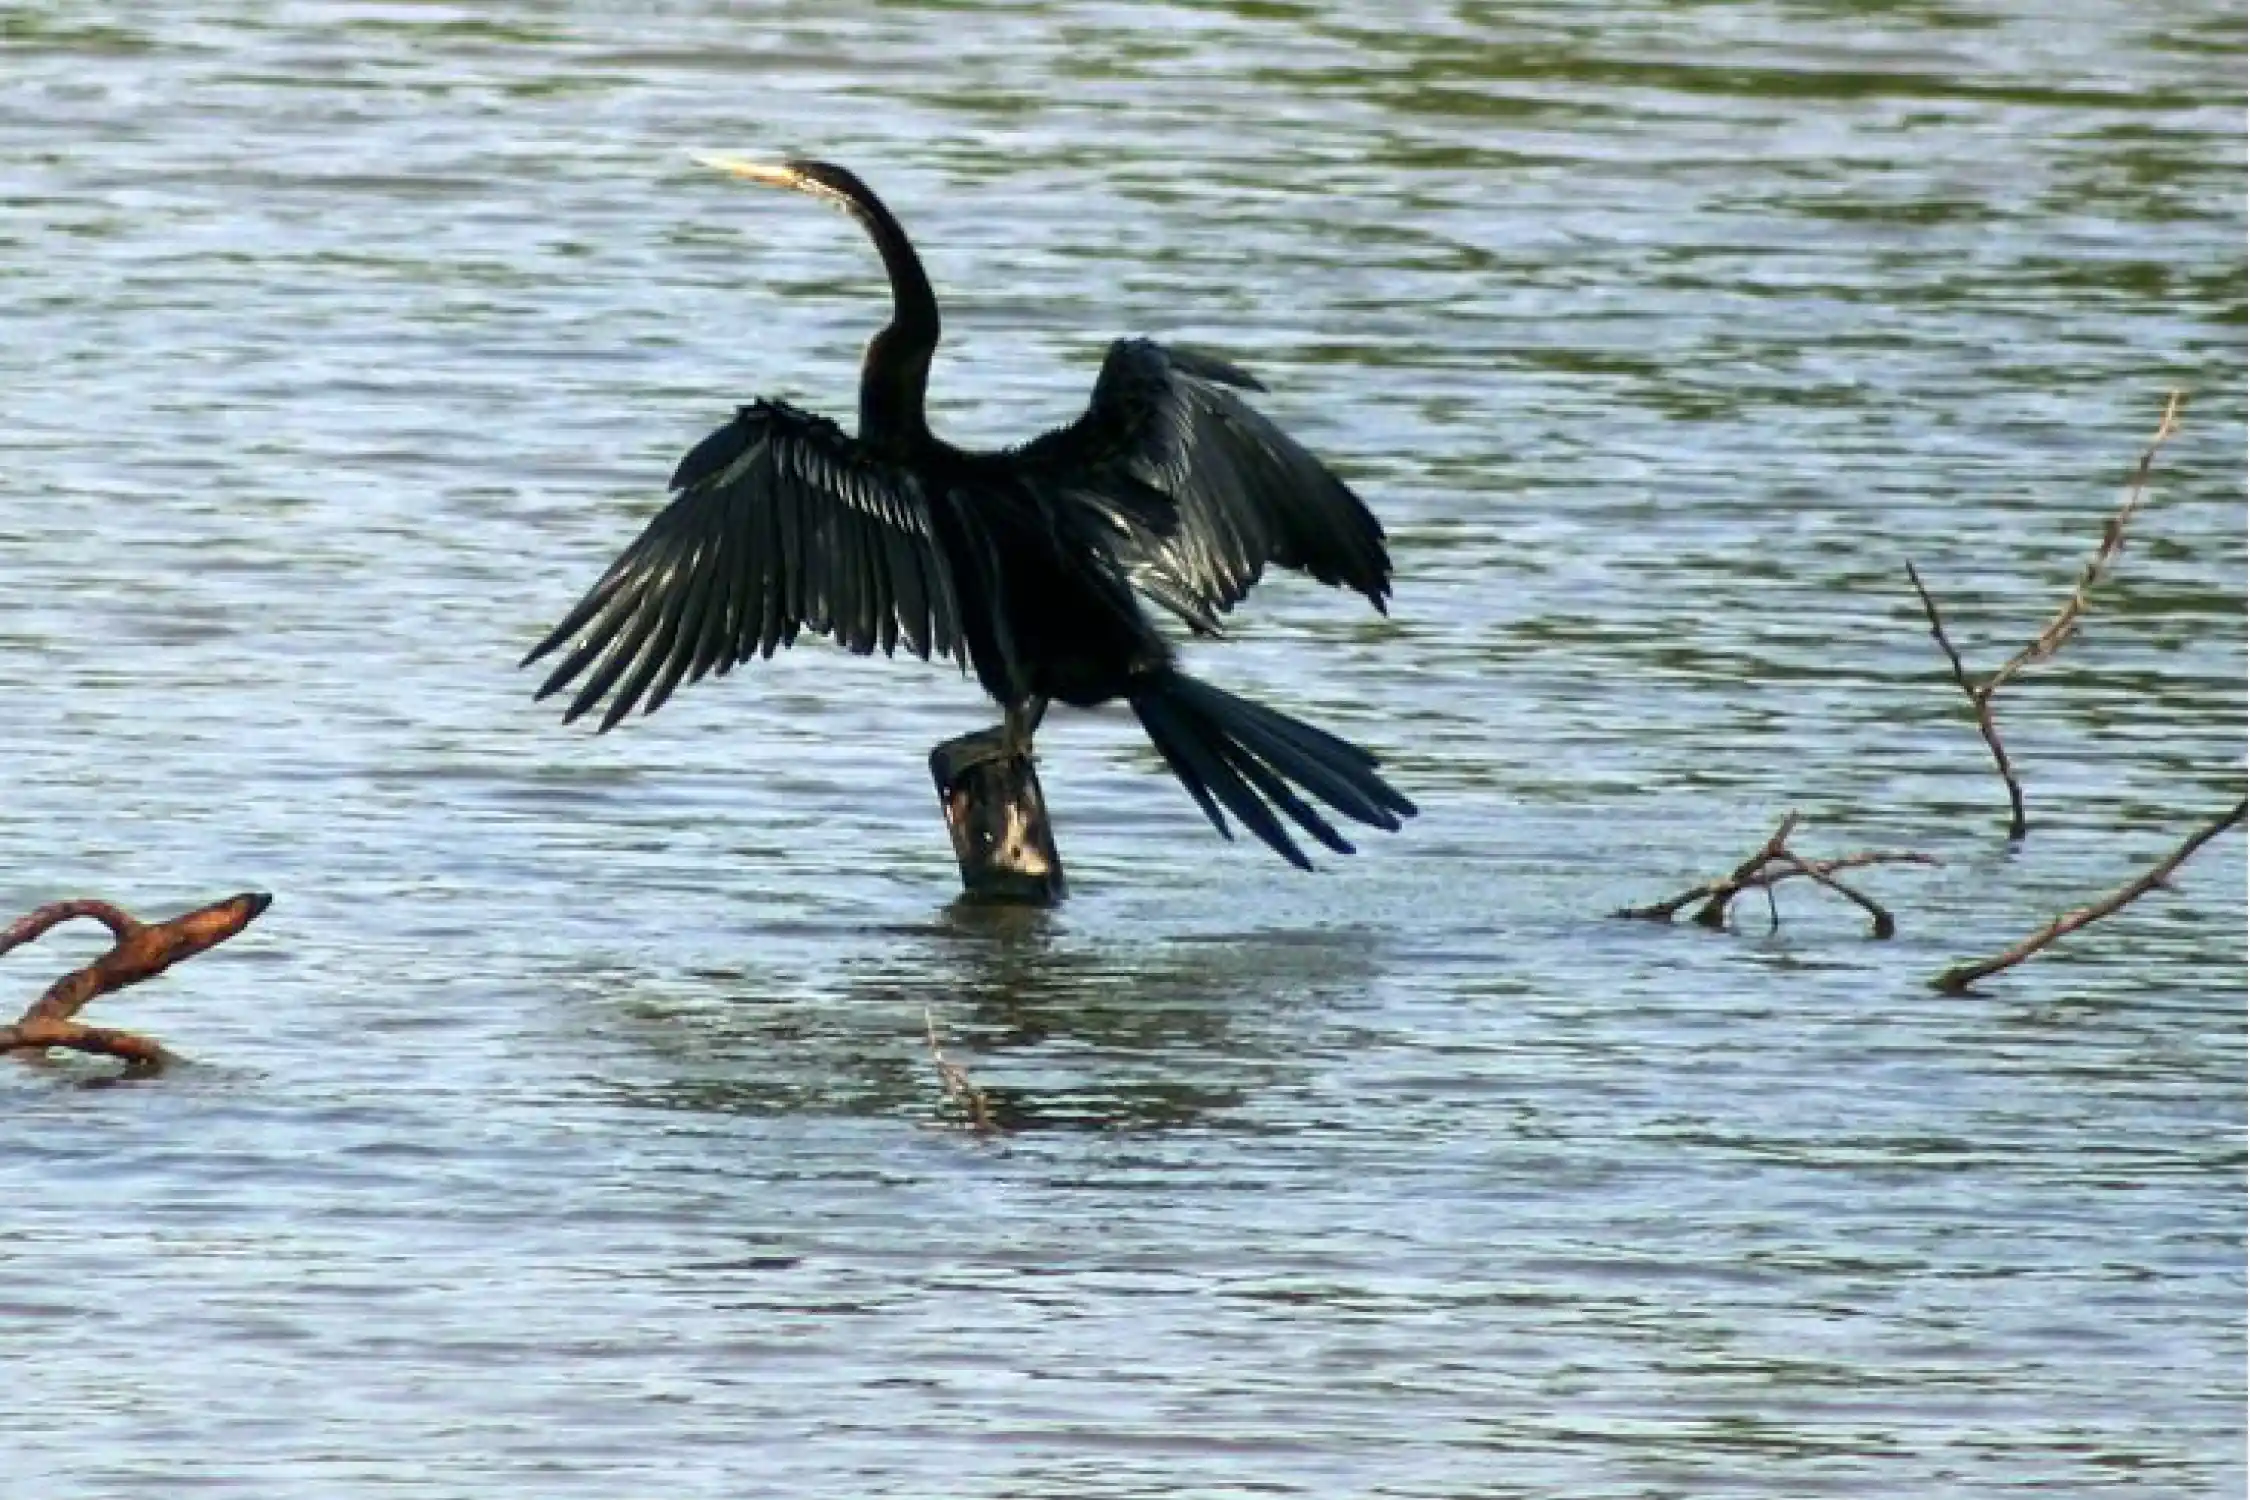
<point>771,174</point>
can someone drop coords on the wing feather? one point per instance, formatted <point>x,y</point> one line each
<point>655,634</point>
<point>763,524</point>
<point>1242,492</point>
<point>780,523</point>
<point>913,595</point>
<point>670,665</point>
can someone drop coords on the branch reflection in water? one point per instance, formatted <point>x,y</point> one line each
<point>1061,1030</point>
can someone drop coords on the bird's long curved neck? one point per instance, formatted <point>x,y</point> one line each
<point>894,380</point>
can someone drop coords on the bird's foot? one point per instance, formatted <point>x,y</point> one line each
<point>1017,727</point>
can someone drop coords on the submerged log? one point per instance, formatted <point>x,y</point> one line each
<point>998,818</point>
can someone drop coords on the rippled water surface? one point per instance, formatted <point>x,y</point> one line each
<point>568,1127</point>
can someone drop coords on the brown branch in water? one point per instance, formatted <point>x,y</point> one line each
<point>1960,977</point>
<point>139,951</point>
<point>1980,701</point>
<point>966,1096</point>
<point>1885,925</point>
<point>1714,911</point>
<point>1718,891</point>
<point>2058,629</point>
<point>1773,863</point>
<point>2065,622</point>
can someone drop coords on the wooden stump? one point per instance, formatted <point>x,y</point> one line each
<point>998,819</point>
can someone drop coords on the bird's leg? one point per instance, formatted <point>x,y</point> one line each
<point>1019,724</point>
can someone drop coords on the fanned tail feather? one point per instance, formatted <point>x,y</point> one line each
<point>1250,760</point>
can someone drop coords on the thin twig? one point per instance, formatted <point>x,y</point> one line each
<point>1960,977</point>
<point>2058,629</point>
<point>1714,890</point>
<point>139,951</point>
<point>2065,622</point>
<point>1714,912</point>
<point>965,1094</point>
<point>1773,863</point>
<point>1886,925</point>
<point>1665,911</point>
<point>1816,868</point>
<point>1980,700</point>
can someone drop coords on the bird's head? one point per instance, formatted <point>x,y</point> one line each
<point>896,370</point>
<point>820,179</point>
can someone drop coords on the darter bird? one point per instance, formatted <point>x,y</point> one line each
<point>1029,565</point>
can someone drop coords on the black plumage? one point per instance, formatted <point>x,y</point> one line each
<point>1027,565</point>
<point>1244,492</point>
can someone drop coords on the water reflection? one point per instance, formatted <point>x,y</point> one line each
<point>1061,1030</point>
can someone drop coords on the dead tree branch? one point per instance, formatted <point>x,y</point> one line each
<point>139,951</point>
<point>1773,863</point>
<point>1960,977</point>
<point>1714,910</point>
<point>2064,625</point>
<point>1885,925</point>
<point>2058,630</point>
<point>966,1096</point>
<point>1980,702</point>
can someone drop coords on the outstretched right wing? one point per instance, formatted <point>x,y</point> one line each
<point>1244,492</point>
<point>781,523</point>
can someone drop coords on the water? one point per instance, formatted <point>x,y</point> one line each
<point>568,1127</point>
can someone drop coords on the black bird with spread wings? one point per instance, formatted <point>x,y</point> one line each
<point>1027,565</point>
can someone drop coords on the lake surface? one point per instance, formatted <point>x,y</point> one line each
<point>568,1126</point>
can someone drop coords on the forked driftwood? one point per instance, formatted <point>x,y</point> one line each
<point>1773,863</point>
<point>1960,977</point>
<point>966,1096</point>
<point>2059,629</point>
<point>141,950</point>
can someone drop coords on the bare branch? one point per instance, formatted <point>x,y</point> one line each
<point>35,923</point>
<point>966,1096</point>
<point>1816,868</point>
<point>1773,863</point>
<point>2058,630</point>
<point>1960,977</point>
<point>1665,911</point>
<point>1714,910</point>
<point>1713,890</point>
<point>1886,926</point>
<point>2065,622</point>
<point>141,951</point>
<point>1980,701</point>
